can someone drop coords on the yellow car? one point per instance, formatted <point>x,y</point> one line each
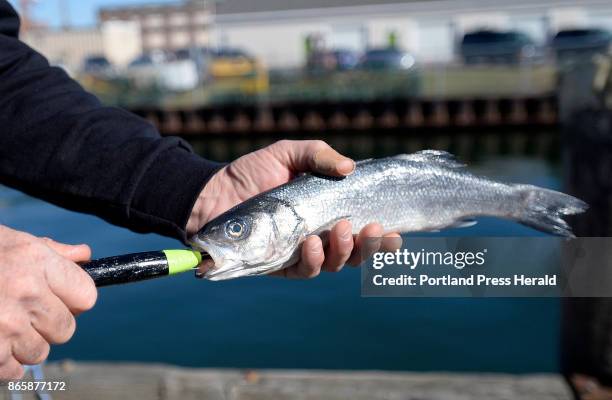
<point>235,69</point>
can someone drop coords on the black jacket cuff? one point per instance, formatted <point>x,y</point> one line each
<point>167,191</point>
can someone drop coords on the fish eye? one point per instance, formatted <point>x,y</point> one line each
<point>235,229</point>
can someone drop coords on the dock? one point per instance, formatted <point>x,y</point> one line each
<point>364,115</point>
<point>445,96</point>
<point>93,381</point>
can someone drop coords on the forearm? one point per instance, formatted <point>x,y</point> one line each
<point>58,143</point>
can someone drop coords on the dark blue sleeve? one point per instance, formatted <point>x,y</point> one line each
<point>58,143</point>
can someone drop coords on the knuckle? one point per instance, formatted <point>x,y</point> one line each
<point>27,286</point>
<point>31,351</point>
<point>12,324</point>
<point>30,246</point>
<point>66,327</point>
<point>40,353</point>
<point>319,144</point>
<point>35,353</point>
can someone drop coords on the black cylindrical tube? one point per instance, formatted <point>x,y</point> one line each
<point>127,268</point>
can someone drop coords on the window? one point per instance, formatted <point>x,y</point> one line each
<point>179,39</point>
<point>179,19</point>
<point>201,18</point>
<point>156,40</point>
<point>154,21</point>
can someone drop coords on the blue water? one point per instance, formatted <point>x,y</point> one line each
<point>275,323</point>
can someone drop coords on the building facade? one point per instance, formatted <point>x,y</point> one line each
<point>118,41</point>
<point>166,26</point>
<point>67,48</point>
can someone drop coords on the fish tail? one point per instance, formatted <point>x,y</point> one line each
<point>544,209</point>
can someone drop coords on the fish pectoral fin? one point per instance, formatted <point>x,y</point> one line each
<point>463,223</point>
<point>435,156</point>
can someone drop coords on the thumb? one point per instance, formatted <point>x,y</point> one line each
<point>75,253</point>
<point>313,156</point>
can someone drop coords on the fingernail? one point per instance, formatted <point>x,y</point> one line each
<point>314,247</point>
<point>346,235</point>
<point>371,246</point>
<point>346,166</point>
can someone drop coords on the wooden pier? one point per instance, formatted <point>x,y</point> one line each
<point>388,114</point>
<point>145,381</point>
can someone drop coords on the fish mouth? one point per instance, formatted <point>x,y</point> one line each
<point>220,274</point>
<point>217,268</point>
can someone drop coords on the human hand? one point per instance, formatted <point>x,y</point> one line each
<point>274,165</point>
<point>41,290</point>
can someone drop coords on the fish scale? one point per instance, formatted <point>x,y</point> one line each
<point>398,193</point>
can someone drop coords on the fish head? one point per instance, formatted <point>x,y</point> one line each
<point>254,238</point>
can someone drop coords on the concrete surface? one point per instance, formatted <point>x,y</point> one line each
<point>92,381</point>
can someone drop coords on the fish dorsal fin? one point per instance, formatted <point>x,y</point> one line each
<point>434,156</point>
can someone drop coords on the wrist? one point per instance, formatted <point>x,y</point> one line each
<point>204,206</point>
<point>196,217</point>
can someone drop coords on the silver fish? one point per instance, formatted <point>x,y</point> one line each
<point>425,191</point>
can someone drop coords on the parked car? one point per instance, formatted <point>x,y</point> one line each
<point>332,60</point>
<point>96,65</point>
<point>386,59</point>
<point>570,44</point>
<point>237,71</point>
<point>501,47</point>
<point>230,62</point>
<point>201,56</point>
<point>165,70</point>
<point>154,57</point>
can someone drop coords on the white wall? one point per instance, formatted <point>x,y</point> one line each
<point>476,20</point>
<point>406,29</point>
<point>122,41</point>
<point>437,42</point>
<point>283,44</point>
<point>567,17</point>
<point>277,44</point>
<point>66,47</point>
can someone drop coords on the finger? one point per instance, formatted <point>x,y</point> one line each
<point>367,243</point>
<point>52,319</point>
<point>311,259</point>
<point>11,370</point>
<point>391,242</point>
<point>72,285</point>
<point>329,162</point>
<point>75,253</point>
<point>314,156</point>
<point>340,246</point>
<point>30,348</point>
